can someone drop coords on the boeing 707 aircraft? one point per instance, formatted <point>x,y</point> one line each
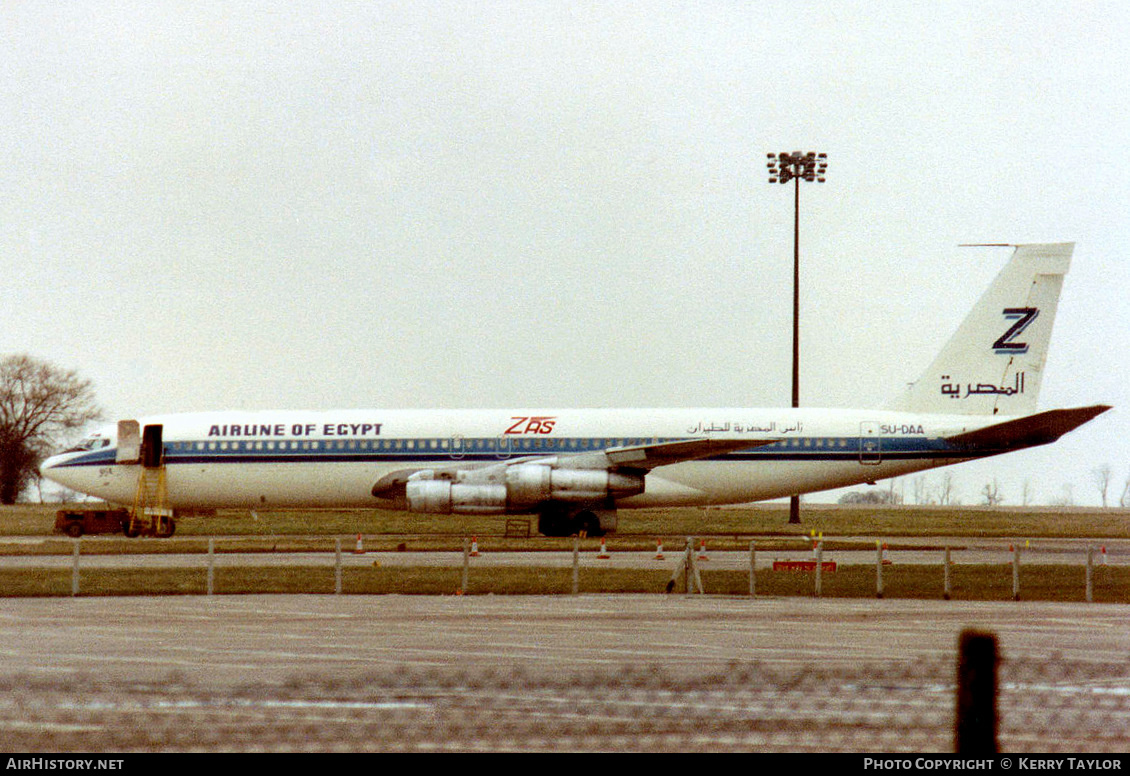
<point>574,468</point>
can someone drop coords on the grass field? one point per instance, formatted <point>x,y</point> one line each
<point>841,527</point>
<point>969,582</point>
<point>761,520</point>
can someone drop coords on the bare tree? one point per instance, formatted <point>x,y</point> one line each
<point>893,496</point>
<point>992,493</point>
<point>1026,493</point>
<point>921,492</point>
<point>1101,477</point>
<point>39,404</point>
<point>945,490</point>
<point>1067,499</point>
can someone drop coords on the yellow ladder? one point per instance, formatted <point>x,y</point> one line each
<point>151,513</point>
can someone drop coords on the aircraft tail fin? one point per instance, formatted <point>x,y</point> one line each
<point>994,363</point>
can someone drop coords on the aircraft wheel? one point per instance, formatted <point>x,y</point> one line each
<point>554,524</point>
<point>588,522</point>
<point>74,529</point>
<point>167,530</point>
<point>130,530</point>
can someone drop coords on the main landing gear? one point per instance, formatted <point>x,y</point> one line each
<point>577,521</point>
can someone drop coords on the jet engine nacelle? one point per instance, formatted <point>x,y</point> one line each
<point>445,497</point>
<point>520,488</point>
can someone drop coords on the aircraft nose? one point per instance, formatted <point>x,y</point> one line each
<point>47,467</point>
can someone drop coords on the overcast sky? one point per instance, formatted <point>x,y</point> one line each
<point>559,204</point>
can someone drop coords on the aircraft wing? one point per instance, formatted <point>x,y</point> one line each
<point>636,459</point>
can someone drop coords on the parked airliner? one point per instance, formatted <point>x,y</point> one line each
<point>574,468</point>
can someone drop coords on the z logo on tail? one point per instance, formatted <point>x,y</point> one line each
<point>1023,317</point>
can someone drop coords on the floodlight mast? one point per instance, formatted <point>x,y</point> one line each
<point>785,167</point>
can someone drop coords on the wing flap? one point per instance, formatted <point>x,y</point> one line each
<point>648,457</point>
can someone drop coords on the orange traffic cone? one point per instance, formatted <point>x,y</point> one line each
<point>702,551</point>
<point>359,550</point>
<point>603,555</point>
<point>659,549</point>
<point>474,547</point>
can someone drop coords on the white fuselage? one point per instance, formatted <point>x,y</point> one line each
<point>334,458</point>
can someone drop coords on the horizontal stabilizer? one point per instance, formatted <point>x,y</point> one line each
<point>1039,429</point>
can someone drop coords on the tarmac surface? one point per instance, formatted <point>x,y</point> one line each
<point>541,673</point>
<point>234,640</point>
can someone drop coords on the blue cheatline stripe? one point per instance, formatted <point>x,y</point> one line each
<point>486,450</point>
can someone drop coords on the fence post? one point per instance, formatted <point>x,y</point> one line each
<point>576,564</point>
<point>688,567</point>
<point>975,723</point>
<point>1090,580</point>
<point>74,568</point>
<point>211,563</point>
<point>948,584</point>
<point>337,566</point>
<point>1016,572</point>
<point>752,570</point>
<point>878,569</point>
<point>466,565</point>
<point>689,571</point>
<point>819,567</point>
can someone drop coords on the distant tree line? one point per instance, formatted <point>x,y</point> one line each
<point>945,492</point>
<point>870,497</point>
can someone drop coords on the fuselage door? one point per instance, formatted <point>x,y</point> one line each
<point>870,443</point>
<point>153,446</point>
<point>458,447</point>
<point>129,442</point>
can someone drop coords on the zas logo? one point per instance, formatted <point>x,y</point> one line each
<point>532,425</point>
<point>1023,317</point>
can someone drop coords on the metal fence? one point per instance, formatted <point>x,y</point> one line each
<point>1073,572</point>
<point>1055,705</point>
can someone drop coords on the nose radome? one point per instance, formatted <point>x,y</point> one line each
<point>49,467</point>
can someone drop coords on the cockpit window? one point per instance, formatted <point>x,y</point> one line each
<point>90,443</point>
